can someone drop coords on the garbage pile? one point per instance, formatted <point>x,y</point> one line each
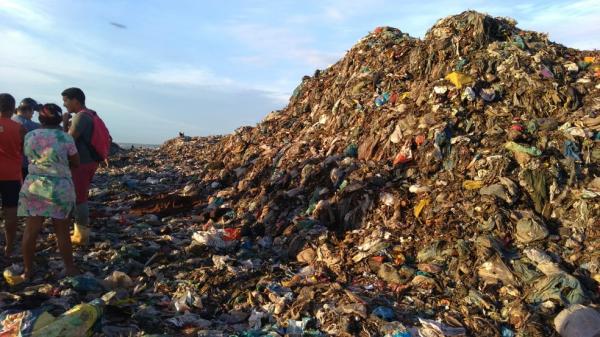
<point>447,186</point>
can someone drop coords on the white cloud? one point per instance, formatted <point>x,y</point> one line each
<point>25,12</point>
<point>254,60</point>
<point>27,75</point>
<point>32,54</point>
<point>574,24</point>
<point>334,14</point>
<point>185,75</point>
<point>277,43</point>
<point>189,76</point>
<point>280,98</point>
<point>344,10</point>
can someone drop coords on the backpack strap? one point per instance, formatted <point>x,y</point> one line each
<point>93,152</point>
<point>89,112</point>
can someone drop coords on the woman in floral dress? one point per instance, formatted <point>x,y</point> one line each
<point>48,190</point>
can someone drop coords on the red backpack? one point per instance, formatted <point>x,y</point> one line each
<point>101,138</point>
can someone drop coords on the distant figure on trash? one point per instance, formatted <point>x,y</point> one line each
<point>183,137</point>
<point>80,127</point>
<point>11,159</point>
<point>24,117</point>
<point>48,190</point>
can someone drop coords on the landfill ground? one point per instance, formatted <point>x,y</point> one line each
<point>444,186</point>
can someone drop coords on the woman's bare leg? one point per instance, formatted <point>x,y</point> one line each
<point>10,229</point>
<point>63,240</point>
<point>33,225</point>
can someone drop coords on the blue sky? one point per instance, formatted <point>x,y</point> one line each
<point>208,67</point>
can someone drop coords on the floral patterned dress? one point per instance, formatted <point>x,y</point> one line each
<point>48,190</point>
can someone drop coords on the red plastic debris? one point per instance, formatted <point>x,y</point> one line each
<point>232,234</point>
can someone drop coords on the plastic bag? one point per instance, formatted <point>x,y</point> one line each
<point>85,283</point>
<point>419,208</point>
<point>459,79</point>
<point>472,184</point>
<point>530,150</point>
<point>13,275</point>
<point>578,321</point>
<point>384,313</point>
<point>561,287</point>
<point>495,270</point>
<point>530,230</point>
<point>76,322</point>
<point>118,280</point>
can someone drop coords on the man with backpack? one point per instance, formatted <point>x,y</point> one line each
<point>93,142</point>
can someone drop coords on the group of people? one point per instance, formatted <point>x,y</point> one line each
<point>45,173</point>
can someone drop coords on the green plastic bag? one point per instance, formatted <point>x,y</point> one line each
<point>530,150</point>
<point>560,286</point>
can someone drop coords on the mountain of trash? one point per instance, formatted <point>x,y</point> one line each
<point>444,186</point>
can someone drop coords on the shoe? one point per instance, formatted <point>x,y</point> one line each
<point>81,235</point>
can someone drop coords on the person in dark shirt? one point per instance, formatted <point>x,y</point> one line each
<point>80,127</point>
<point>23,116</point>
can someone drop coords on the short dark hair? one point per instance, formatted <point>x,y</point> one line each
<point>23,108</point>
<point>29,104</point>
<point>75,93</point>
<point>7,103</point>
<point>51,115</point>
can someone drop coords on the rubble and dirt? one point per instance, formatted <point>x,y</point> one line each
<point>444,186</point>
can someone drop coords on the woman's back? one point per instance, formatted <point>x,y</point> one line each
<point>48,152</point>
<point>48,190</point>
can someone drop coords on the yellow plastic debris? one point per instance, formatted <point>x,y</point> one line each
<point>596,70</point>
<point>404,95</point>
<point>358,88</point>
<point>420,206</point>
<point>589,59</point>
<point>76,322</point>
<point>13,279</point>
<point>459,79</point>
<point>472,184</point>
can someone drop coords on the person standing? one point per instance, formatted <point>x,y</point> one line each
<point>23,116</point>
<point>48,190</point>
<point>11,158</point>
<point>81,129</point>
<point>25,112</point>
